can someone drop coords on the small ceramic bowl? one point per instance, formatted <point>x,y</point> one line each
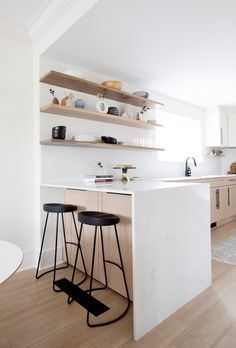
<point>79,103</point>
<point>142,94</point>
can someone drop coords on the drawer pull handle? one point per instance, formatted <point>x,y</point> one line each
<point>217,199</point>
<point>228,197</point>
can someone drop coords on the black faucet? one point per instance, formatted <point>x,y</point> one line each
<point>187,168</point>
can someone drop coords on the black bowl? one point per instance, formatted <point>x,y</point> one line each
<point>109,140</point>
<point>112,110</point>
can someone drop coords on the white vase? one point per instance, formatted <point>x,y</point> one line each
<point>102,106</point>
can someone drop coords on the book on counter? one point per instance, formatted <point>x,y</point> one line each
<point>103,178</point>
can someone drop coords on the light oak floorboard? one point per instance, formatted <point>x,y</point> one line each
<point>32,315</point>
<point>4,343</point>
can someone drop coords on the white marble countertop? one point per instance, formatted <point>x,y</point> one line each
<point>200,177</point>
<point>120,187</point>
<point>135,186</point>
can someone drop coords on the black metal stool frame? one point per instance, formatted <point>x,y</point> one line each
<point>121,267</point>
<point>55,268</point>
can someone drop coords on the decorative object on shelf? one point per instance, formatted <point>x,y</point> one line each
<point>59,132</point>
<point>85,137</point>
<point>99,179</point>
<point>55,100</point>
<point>216,153</point>
<point>101,167</point>
<point>79,103</point>
<point>140,113</point>
<point>124,115</point>
<point>101,105</point>
<point>112,84</point>
<point>112,110</point>
<point>109,140</point>
<point>233,168</point>
<point>68,98</point>
<point>142,94</point>
<point>124,167</point>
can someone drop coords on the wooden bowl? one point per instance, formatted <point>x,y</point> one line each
<point>233,167</point>
<point>112,84</point>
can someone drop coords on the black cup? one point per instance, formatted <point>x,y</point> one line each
<point>112,110</point>
<point>59,132</point>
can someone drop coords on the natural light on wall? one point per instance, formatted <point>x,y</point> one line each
<point>180,137</point>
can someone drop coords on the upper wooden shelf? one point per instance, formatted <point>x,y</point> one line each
<point>74,83</point>
<point>96,116</point>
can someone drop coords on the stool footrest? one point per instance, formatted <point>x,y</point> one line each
<point>87,301</point>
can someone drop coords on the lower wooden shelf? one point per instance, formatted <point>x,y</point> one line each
<point>97,145</point>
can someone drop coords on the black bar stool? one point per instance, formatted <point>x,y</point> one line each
<point>58,208</point>
<point>100,219</point>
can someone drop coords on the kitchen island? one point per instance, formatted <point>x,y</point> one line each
<point>171,253</point>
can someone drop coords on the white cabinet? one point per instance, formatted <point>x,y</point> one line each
<point>216,127</point>
<point>221,126</point>
<point>231,119</point>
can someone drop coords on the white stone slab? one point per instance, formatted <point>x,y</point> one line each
<point>171,252</point>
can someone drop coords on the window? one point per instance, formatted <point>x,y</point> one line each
<point>180,137</point>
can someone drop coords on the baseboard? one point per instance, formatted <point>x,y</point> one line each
<point>30,259</point>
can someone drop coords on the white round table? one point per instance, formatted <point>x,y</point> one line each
<point>10,259</point>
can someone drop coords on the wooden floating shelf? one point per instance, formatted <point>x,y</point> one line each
<point>76,84</point>
<point>96,116</point>
<point>97,145</point>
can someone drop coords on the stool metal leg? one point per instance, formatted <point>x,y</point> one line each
<point>55,257</point>
<point>79,246</point>
<point>103,258</point>
<point>40,254</point>
<point>41,248</point>
<point>69,300</point>
<point>64,234</point>
<point>93,259</point>
<point>121,266</point>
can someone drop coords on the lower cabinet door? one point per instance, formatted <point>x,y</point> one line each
<point>117,204</point>
<point>120,205</point>
<point>215,204</point>
<point>232,200</point>
<point>85,200</point>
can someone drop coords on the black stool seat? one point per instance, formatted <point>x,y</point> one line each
<point>59,208</point>
<point>97,218</point>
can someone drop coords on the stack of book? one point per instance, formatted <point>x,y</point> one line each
<point>96,179</point>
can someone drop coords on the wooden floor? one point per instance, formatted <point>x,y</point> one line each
<point>32,315</point>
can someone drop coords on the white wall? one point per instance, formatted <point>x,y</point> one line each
<point>16,140</point>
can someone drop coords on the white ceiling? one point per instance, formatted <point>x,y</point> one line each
<point>22,12</point>
<point>182,48</point>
